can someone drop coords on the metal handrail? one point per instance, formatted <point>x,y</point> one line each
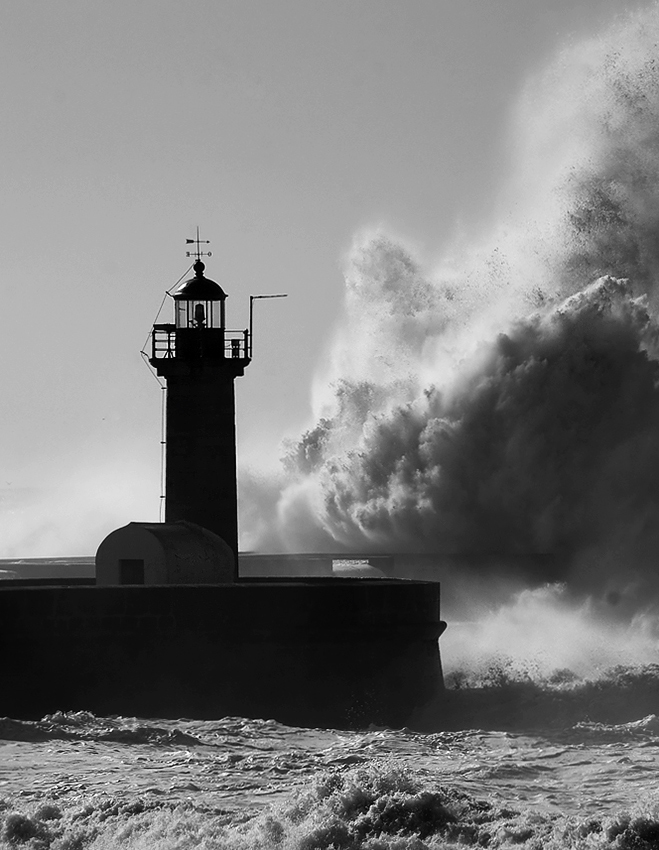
<point>163,343</point>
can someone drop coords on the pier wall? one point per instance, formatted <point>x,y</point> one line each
<point>325,652</point>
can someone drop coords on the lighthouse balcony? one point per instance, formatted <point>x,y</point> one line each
<point>170,342</point>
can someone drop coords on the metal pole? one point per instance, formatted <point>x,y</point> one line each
<point>251,323</point>
<point>252,299</point>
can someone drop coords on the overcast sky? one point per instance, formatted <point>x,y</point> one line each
<point>281,128</point>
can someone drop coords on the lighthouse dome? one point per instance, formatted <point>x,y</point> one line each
<point>199,287</point>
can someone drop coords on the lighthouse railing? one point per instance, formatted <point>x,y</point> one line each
<point>236,344</point>
<point>163,343</point>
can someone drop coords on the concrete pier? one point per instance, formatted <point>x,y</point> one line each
<point>320,652</point>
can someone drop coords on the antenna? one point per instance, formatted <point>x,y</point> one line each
<point>199,242</point>
<point>252,299</point>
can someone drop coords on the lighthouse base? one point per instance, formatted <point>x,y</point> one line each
<point>323,652</point>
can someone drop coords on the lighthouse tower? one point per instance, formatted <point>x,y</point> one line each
<point>200,359</point>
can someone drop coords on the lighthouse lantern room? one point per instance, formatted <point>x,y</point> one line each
<point>200,302</point>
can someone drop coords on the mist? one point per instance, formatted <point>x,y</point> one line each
<point>69,514</point>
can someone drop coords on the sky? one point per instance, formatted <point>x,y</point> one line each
<point>281,128</point>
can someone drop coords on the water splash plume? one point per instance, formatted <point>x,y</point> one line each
<point>506,400</point>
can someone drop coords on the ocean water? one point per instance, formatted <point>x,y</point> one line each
<point>512,763</point>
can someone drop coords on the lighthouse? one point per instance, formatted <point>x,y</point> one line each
<point>200,360</point>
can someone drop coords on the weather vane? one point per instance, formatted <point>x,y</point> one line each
<point>198,242</point>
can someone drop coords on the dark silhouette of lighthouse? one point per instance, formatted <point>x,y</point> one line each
<point>200,359</point>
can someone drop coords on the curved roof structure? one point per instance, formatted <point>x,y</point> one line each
<point>199,287</point>
<point>164,553</point>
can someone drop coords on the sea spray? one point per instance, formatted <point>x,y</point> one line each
<point>523,456</point>
<point>503,399</point>
<point>506,400</point>
<point>546,634</point>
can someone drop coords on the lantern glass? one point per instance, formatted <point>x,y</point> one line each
<point>197,314</point>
